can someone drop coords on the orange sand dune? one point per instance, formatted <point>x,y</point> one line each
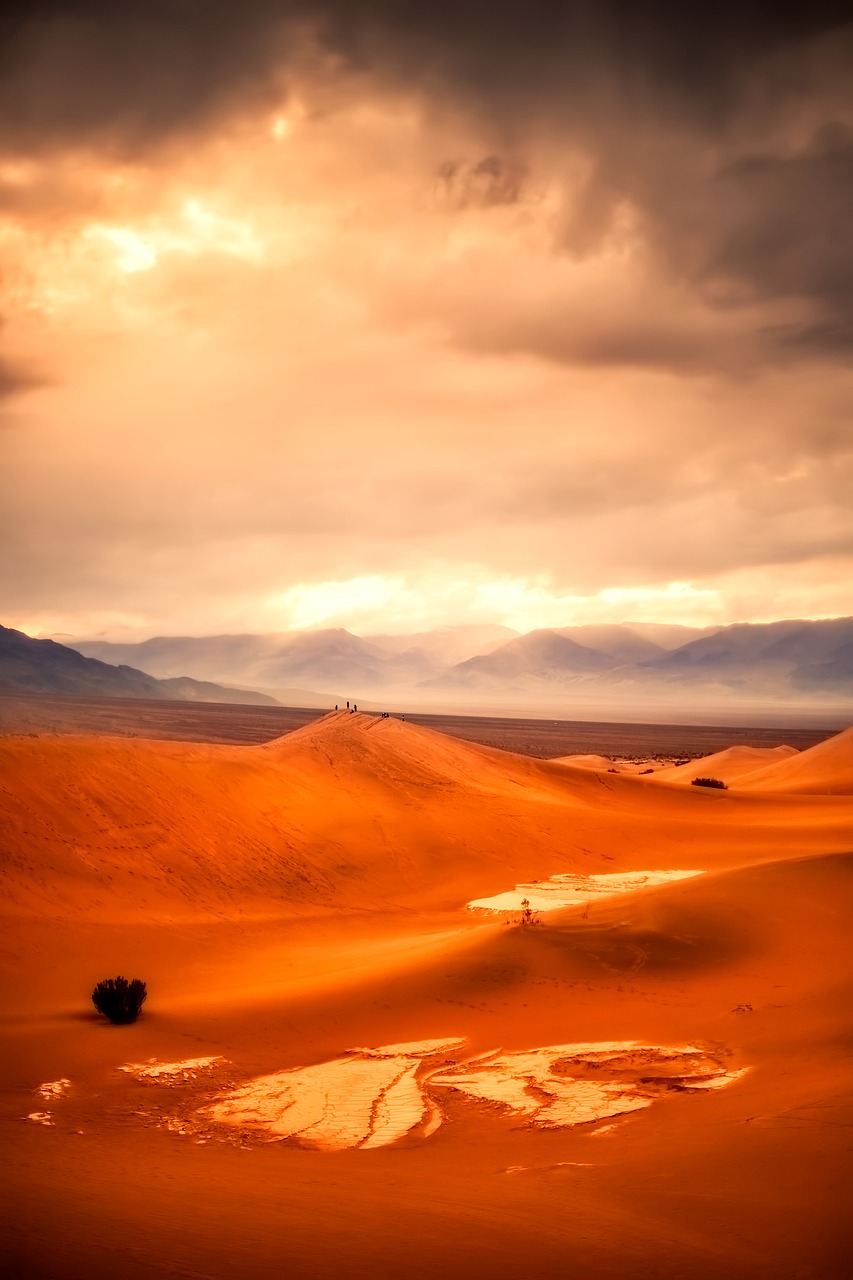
<point>825,769</point>
<point>601,763</point>
<point>586,762</point>
<point>350,812</point>
<point>729,765</point>
<point>298,911</point>
<point>606,765</point>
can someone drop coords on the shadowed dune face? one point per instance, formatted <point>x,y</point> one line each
<point>670,1061</point>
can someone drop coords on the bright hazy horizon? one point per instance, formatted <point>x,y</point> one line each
<point>323,315</point>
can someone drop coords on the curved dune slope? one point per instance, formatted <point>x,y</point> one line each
<point>604,764</point>
<point>297,911</point>
<point>350,812</point>
<point>729,765</point>
<point>825,769</point>
<point>586,762</point>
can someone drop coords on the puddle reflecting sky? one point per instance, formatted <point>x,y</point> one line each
<point>570,888</point>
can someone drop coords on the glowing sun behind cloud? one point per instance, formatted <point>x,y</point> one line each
<point>354,352</point>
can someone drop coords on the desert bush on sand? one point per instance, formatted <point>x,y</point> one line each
<point>709,782</point>
<point>528,914</point>
<point>118,999</point>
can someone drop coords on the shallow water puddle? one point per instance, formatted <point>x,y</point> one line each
<point>374,1097</point>
<point>564,1085</point>
<point>182,1072</point>
<point>370,1098</point>
<point>53,1089</point>
<point>570,888</point>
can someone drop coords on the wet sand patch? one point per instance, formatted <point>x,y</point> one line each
<point>374,1097</point>
<point>369,1098</point>
<point>568,889</point>
<point>564,1085</point>
<point>172,1072</point>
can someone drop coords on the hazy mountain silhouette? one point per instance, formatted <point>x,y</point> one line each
<point>791,655</point>
<point>544,654</point>
<point>43,666</point>
<point>639,662</point>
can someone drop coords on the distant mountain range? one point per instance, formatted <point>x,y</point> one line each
<point>800,661</point>
<point>42,666</point>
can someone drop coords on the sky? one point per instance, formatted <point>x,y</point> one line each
<point>395,315</point>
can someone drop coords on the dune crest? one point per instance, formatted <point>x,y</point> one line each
<point>351,812</point>
<point>729,765</point>
<point>825,769</point>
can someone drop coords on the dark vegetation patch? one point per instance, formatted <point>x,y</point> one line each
<point>119,1000</point>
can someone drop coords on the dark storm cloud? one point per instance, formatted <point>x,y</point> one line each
<point>726,130</point>
<point>79,67</point>
<point>482,183</point>
<point>784,224</point>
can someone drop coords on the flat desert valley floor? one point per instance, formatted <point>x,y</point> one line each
<point>343,1069</point>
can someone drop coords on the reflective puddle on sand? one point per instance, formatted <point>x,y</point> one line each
<point>370,1098</point>
<point>570,888</point>
<point>563,1085</point>
<point>51,1091</point>
<point>182,1071</point>
<point>374,1097</point>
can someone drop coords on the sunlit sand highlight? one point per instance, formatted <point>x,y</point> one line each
<point>569,888</point>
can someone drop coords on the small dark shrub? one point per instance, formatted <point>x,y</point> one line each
<point>118,999</point>
<point>709,782</point>
<point>643,772</point>
<point>528,914</point>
